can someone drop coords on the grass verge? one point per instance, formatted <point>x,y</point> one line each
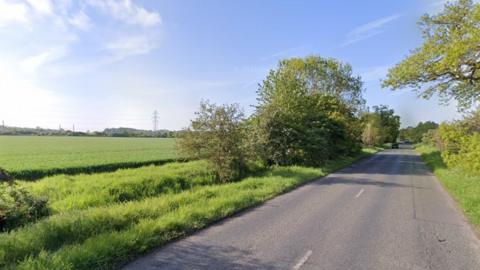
<point>463,186</point>
<point>109,236</point>
<point>66,193</point>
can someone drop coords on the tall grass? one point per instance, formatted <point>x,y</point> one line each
<point>66,193</point>
<point>108,236</point>
<point>464,186</point>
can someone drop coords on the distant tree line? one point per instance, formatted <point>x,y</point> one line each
<point>108,132</point>
<point>415,134</point>
<point>310,110</point>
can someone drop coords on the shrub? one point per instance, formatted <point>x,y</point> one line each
<point>461,143</point>
<point>216,135</point>
<point>18,207</point>
<point>372,133</point>
<point>432,138</point>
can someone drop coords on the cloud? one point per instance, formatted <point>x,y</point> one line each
<point>374,74</point>
<point>129,45</point>
<point>81,21</point>
<point>127,11</point>
<point>33,63</point>
<point>369,30</point>
<point>42,7</point>
<point>12,13</point>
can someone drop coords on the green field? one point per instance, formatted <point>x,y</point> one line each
<point>104,220</point>
<point>31,157</point>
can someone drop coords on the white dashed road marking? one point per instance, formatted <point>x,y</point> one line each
<point>302,261</point>
<point>359,193</point>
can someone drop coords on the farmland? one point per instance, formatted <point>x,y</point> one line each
<point>104,220</point>
<point>31,157</point>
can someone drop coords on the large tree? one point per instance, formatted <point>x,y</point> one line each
<point>389,122</point>
<point>320,75</point>
<point>307,112</point>
<point>448,62</point>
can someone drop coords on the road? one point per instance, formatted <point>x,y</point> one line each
<point>385,212</point>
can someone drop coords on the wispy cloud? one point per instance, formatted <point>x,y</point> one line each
<point>53,26</point>
<point>127,11</point>
<point>33,63</point>
<point>41,7</point>
<point>12,13</point>
<point>374,74</point>
<point>132,45</point>
<point>81,21</point>
<point>369,30</point>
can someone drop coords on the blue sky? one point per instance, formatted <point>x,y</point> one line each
<point>106,63</point>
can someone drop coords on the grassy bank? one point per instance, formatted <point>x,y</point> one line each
<point>463,186</point>
<point>110,233</point>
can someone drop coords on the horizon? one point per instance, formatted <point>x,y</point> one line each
<point>106,64</point>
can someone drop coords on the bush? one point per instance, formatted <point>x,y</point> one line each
<point>460,143</point>
<point>432,138</point>
<point>216,135</point>
<point>18,207</point>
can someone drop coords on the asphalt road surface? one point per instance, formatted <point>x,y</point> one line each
<point>385,212</point>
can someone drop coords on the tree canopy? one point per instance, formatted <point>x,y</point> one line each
<point>415,134</point>
<point>307,112</point>
<point>320,75</point>
<point>448,62</point>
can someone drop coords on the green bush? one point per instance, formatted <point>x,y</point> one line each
<point>461,143</point>
<point>468,156</point>
<point>18,207</point>
<point>432,138</point>
<point>216,135</point>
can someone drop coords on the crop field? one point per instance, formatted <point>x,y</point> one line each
<point>104,220</point>
<point>31,157</point>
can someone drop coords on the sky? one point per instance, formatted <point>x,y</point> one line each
<point>109,63</point>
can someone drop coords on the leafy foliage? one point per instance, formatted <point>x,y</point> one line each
<point>389,122</point>
<point>306,112</point>
<point>380,126</point>
<point>216,135</point>
<point>432,138</point>
<point>18,206</point>
<point>448,62</point>
<point>372,133</point>
<point>415,134</point>
<point>460,143</point>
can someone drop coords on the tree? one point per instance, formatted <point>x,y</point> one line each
<point>216,135</point>
<point>389,122</point>
<point>307,112</point>
<point>415,134</point>
<point>372,135</point>
<point>448,62</point>
<point>316,74</point>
